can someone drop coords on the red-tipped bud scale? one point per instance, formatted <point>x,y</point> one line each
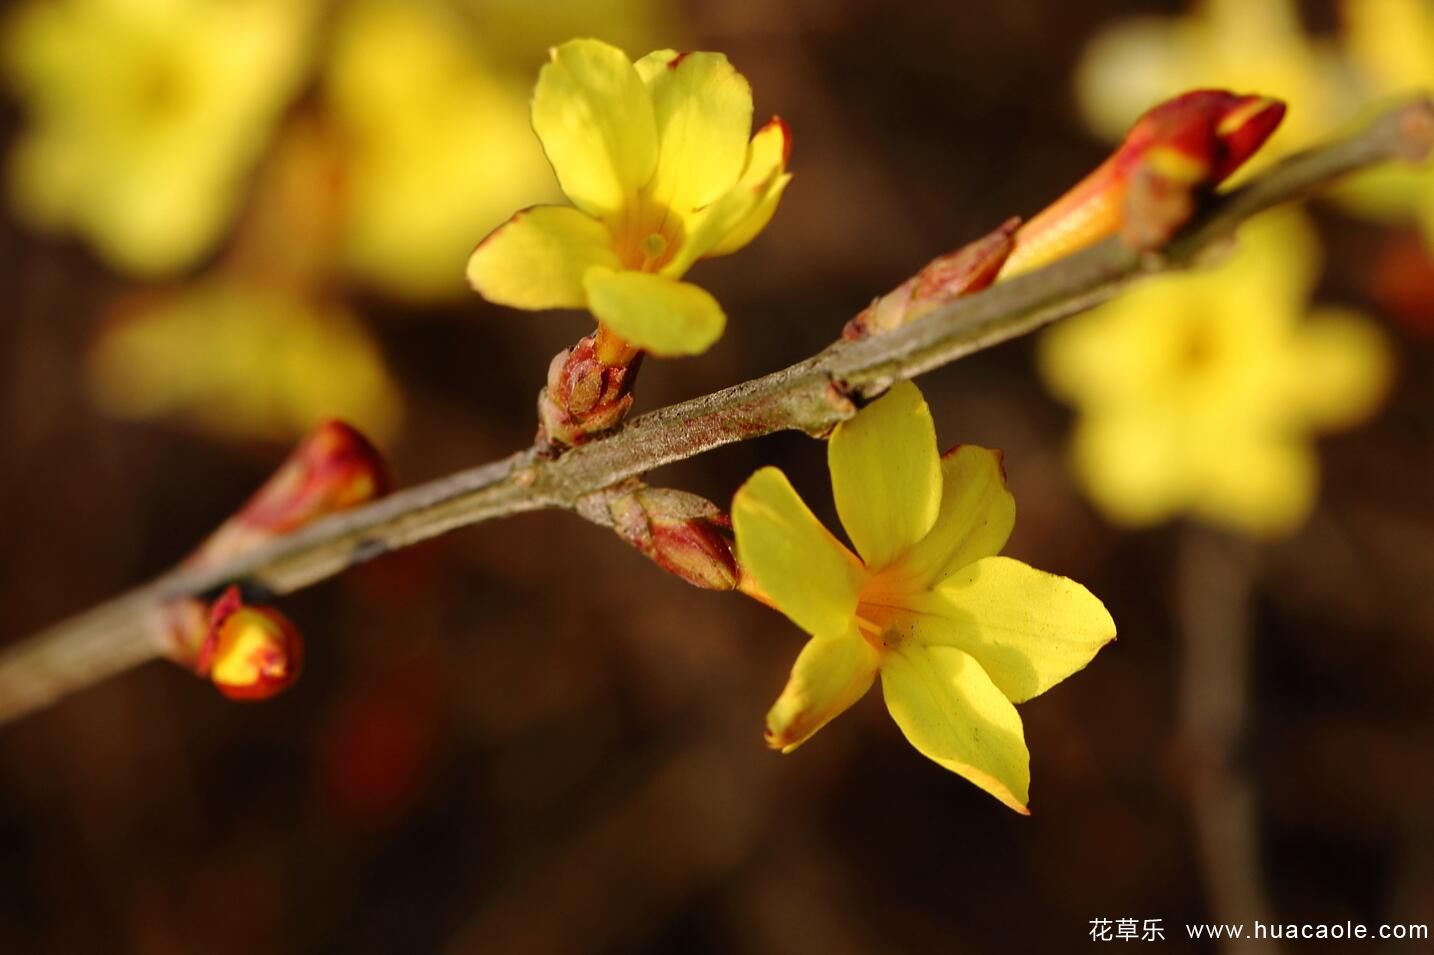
<point>682,533</point>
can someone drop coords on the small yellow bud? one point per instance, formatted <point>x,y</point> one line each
<point>250,653</point>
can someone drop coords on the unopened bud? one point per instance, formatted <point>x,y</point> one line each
<point>333,469</point>
<point>584,395</point>
<point>682,533</point>
<point>250,653</point>
<point>945,278</point>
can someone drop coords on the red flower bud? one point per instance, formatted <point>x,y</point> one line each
<point>585,396</point>
<point>682,533</point>
<point>250,653</point>
<point>333,469</point>
<point>945,278</point>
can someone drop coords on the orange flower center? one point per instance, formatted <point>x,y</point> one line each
<point>646,237</point>
<point>878,617</point>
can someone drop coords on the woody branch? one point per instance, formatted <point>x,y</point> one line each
<point>812,395</point>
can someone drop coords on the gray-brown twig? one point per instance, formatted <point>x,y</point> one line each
<point>812,395</point>
<point>1213,605</point>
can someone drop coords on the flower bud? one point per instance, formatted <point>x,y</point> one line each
<point>333,469</point>
<point>250,653</point>
<point>945,278</point>
<point>584,395</point>
<point>682,533</point>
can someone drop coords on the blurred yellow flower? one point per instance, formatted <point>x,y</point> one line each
<point>1391,42</point>
<point>1391,45</point>
<point>146,115</point>
<point>656,160</point>
<point>513,30</point>
<point>238,360</point>
<point>1197,393</point>
<point>437,144</point>
<point>957,633</point>
<point>1232,44</point>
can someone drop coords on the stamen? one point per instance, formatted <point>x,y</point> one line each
<point>652,248</point>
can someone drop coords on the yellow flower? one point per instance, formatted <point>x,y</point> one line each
<point>655,158</point>
<point>1232,44</point>
<point>146,115</point>
<point>438,145</point>
<point>1197,393</point>
<point>1391,42</point>
<point>957,633</point>
<point>1391,46</point>
<point>236,359</point>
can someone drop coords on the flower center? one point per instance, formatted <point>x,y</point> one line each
<point>647,237</point>
<point>161,88</point>
<point>652,248</point>
<point>1199,351</point>
<point>880,623</point>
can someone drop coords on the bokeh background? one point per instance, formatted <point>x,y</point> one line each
<point>226,219</point>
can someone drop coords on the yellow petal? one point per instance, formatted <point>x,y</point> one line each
<point>649,66</point>
<point>765,176</point>
<point>735,219</point>
<point>655,313</point>
<point>538,258</point>
<point>594,117</point>
<point>1029,630</point>
<point>801,568</point>
<point>830,674</point>
<point>1340,369</point>
<point>704,229</point>
<point>1132,466</point>
<point>886,475</point>
<point>1390,41</point>
<point>976,517</point>
<point>751,225</point>
<point>1262,486</point>
<point>953,714</point>
<point>703,110</point>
